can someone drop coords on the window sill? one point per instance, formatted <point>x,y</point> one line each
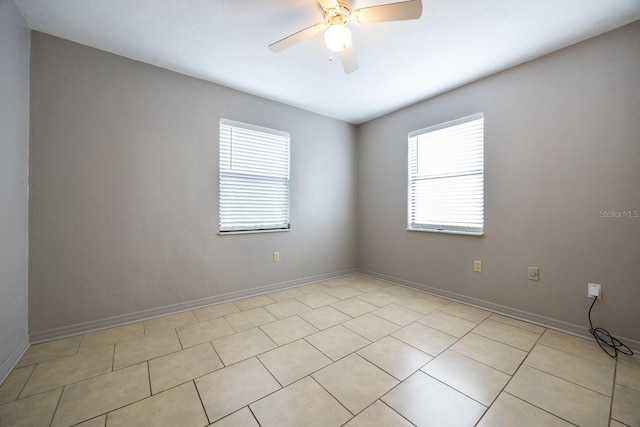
<point>464,233</point>
<point>279,230</point>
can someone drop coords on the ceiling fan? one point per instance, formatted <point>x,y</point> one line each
<point>337,14</point>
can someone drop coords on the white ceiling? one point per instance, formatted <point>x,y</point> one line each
<point>225,41</point>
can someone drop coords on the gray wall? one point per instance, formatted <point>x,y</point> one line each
<point>124,197</point>
<point>562,144</point>
<point>123,207</point>
<point>14,184</point>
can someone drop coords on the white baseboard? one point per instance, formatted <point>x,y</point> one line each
<point>139,316</point>
<point>547,322</point>
<point>95,325</point>
<point>10,362</point>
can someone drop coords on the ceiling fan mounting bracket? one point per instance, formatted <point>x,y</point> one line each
<point>338,15</point>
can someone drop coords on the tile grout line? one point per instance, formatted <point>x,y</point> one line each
<point>331,394</point>
<point>384,370</point>
<point>456,390</point>
<point>182,347</point>
<point>509,324</point>
<point>385,404</point>
<point>149,378</point>
<point>253,415</point>
<point>263,397</point>
<point>568,381</point>
<point>578,355</point>
<point>503,389</point>
<point>538,407</point>
<point>329,357</point>
<point>62,385</point>
<point>613,389</point>
<point>25,383</point>
<point>485,364</point>
<point>113,358</point>
<point>106,414</point>
<point>272,376</point>
<point>80,343</point>
<point>510,375</point>
<point>432,355</point>
<point>53,416</point>
<point>518,368</point>
<point>200,398</point>
<point>499,342</point>
<point>611,418</point>
<point>446,333</point>
<point>217,355</point>
<point>486,411</point>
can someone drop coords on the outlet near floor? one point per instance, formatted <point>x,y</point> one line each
<point>534,274</point>
<point>593,290</point>
<point>477,266</point>
<point>276,256</point>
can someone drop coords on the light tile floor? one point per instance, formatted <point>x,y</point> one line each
<point>352,351</point>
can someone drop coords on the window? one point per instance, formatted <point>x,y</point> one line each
<point>446,177</point>
<point>254,178</point>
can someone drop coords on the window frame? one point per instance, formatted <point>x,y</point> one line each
<point>226,171</point>
<point>412,162</point>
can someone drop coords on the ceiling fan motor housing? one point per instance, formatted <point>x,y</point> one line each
<point>338,15</point>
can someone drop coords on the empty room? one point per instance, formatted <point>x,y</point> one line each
<point>320,213</point>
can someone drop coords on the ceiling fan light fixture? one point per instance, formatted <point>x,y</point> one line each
<point>337,14</point>
<point>337,38</point>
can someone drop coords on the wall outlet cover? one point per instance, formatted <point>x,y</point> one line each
<point>477,266</point>
<point>594,290</point>
<point>534,273</point>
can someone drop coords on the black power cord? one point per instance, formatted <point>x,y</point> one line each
<point>607,341</point>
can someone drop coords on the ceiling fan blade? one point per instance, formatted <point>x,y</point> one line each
<point>349,60</point>
<point>328,4</point>
<point>296,38</point>
<point>411,9</point>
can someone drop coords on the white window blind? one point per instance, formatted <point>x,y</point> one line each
<point>446,177</point>
<point>254,178</point>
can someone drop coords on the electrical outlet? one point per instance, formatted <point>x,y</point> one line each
<point>534,274</point>
<point>477,266</point>
<point>593,290</point>
<point>276,256</point>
